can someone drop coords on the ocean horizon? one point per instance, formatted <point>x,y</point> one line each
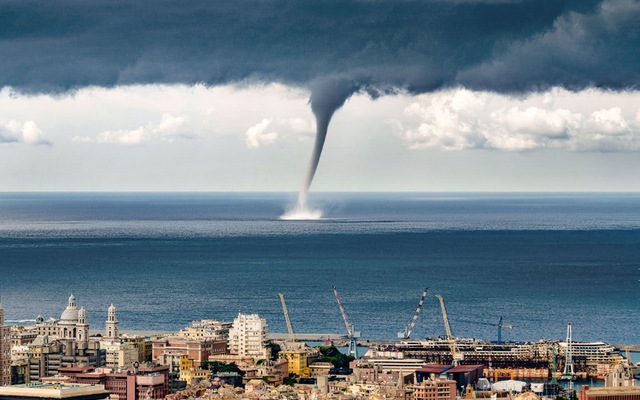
<point>539,260</point>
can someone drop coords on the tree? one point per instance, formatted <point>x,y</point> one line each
<point>289,380</point>
<point>217,366</point>
<point>274,349</point>
<point>333,355</point>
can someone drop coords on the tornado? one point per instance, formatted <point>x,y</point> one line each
<point>327,96</point>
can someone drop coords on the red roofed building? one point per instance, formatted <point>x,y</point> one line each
<point>197,350</point>
<point>150,382</point>
<point>434,389</point>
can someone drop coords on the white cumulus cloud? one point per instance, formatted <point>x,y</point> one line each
<point>257,136</point>
<point>463,119</point>
<point>269,130</point>
<point>168,129</point>
<point>22,132</point>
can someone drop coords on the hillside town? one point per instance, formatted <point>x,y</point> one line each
<point>212,359</point>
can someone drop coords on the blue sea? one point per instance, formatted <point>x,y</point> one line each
<point>164,259</point>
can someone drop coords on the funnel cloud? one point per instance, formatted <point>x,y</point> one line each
<point>332,48</point>
<point>326,97</point>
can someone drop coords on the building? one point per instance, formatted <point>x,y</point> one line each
<point>144,346</point>
<point>620,375</point>
<point>49,328</point>
<point>134,384</point>
<point>610,393</point>
<point>434,389</point>
<point>273,372</point>
<point>175,360</point>
<point>69,320</point>
<point>297,360</point>
<point>19,371</point>
<point>191,374</point>
<point>119,354</point>
<point>50,391</point>
<point>320,368</point>
<point>248,336</point>
<point>70,347</point>
<point>227,378</point>
<point>400,365</point>
<point>5,350</point>
<point>48,357</point>
<point>206,329</point>
<point>197,350</point>
<point>21,336</point>
<point>111,325</point>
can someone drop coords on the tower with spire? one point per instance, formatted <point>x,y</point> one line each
<point>112,324</point>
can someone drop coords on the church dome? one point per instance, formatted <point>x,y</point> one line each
<point>70,314</point>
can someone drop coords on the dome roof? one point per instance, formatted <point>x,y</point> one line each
<point>39,319</point>
<point>70,314</point>
<point>111,308</point>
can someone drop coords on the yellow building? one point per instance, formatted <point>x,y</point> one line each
<point>297,360</point>
<point>190,374</point>
<point>185,363</point>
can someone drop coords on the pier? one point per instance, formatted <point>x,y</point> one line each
<point>315,337</point>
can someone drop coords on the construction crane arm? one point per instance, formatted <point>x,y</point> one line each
<point>292,337</point>
<point>344,314</point>
<point>415,316</point>
<point>452,345</point>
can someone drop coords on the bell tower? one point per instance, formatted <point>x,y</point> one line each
<point>112,324</point>
<point>82,334</point>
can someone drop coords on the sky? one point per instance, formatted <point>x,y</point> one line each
<point>425,95</point>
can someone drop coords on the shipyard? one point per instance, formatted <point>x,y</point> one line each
<point>213,359</point>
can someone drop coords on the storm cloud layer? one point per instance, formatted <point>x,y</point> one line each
<point>375,46</point>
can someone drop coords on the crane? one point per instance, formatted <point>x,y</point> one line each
<point>568,374</point>
<point>500,326</point>
<point>409,327</point>
<point>292,337</point>
<point>352,334</point>
<point>455,357</point>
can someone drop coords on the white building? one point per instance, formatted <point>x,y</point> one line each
<point>206,329</point>
<point>248,336</point>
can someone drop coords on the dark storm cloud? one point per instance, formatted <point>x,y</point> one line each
<point>374,46</point>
